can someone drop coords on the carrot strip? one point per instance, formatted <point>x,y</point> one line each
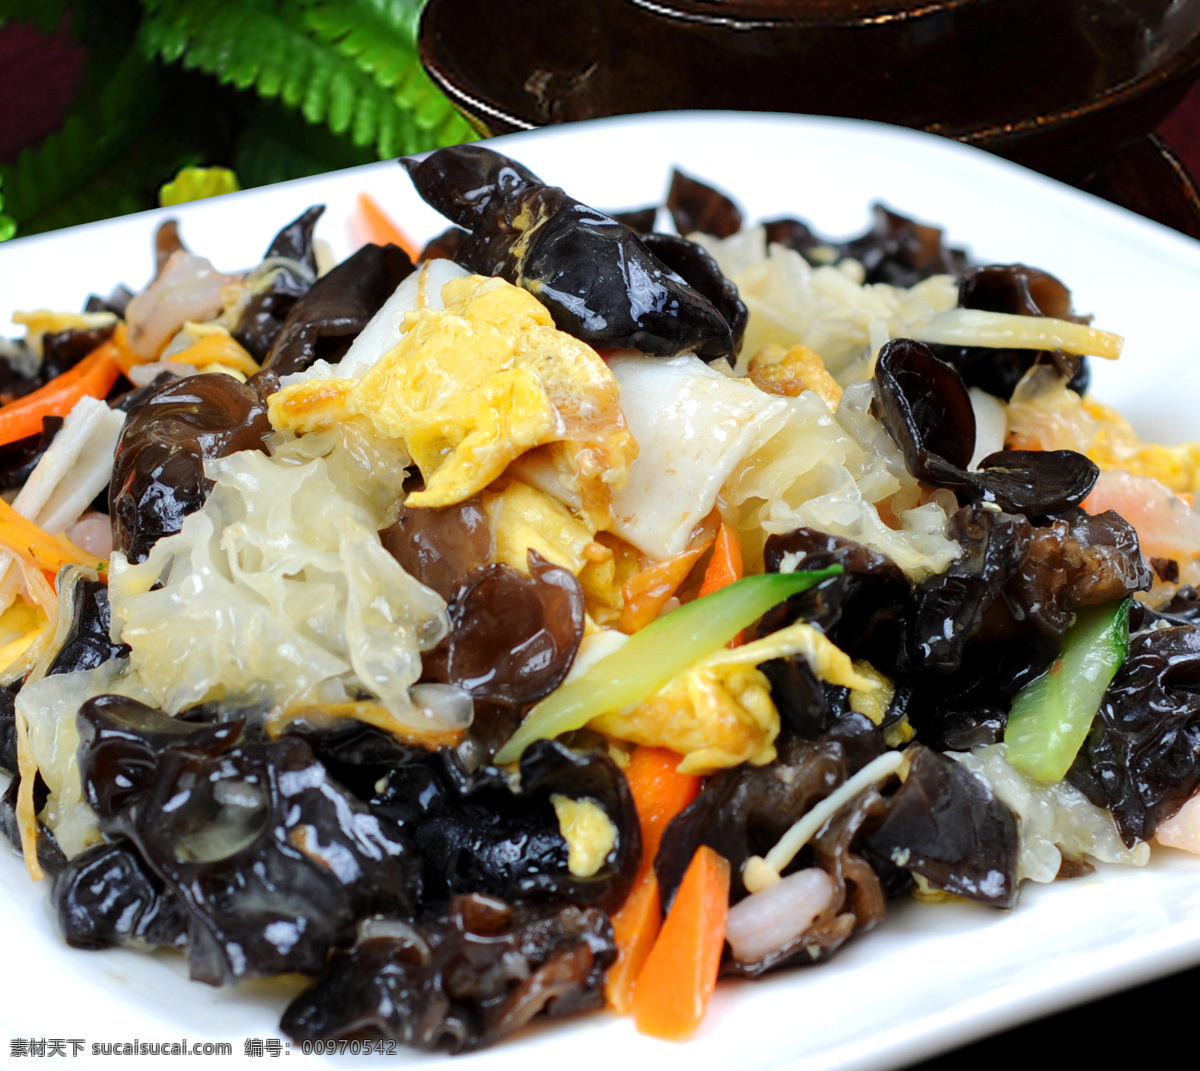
<point>680,974</point>
<point>659,792</point>
<point>724,568</point>
<point>726,564</point>
<point>94,376</point>
<point>635,926</point>
<point>378,227</point>
<point>33,545</point>
<point>647,592</point>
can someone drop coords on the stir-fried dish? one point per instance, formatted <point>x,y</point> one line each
<point>580,613</point>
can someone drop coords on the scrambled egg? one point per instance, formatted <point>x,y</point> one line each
<point>588,831</point>
<point>1044,414</point>
<point>1117,446</point>
<point>523,518</point>
<point>42,322</point>
<point>791,372</point>
<point>471,387</point>
<point>719,713</point>
<point>875,705</point>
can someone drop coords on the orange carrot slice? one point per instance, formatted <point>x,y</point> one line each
<point>37,547</point>
<point>724,568</point>
<point>94,375</point>
<point>726,564</point>
<point>378,227</point>
<point>675,985</point>
<point>659,792</point>
<point>647,592</point>
<point>635,926</point>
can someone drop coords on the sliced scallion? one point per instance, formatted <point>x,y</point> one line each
<point>660,651</point>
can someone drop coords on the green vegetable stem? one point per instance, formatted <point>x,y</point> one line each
<point>1050,718</point>
<point>660,651</point>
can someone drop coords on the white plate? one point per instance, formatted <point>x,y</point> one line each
<point>931,977</point>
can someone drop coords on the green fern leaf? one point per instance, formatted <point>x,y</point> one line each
<point>253,43</point>
<point>380,41</point>
<point>380,36</point>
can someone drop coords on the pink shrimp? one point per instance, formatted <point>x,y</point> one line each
<point>1166,524</point>
<point>1182,829</point>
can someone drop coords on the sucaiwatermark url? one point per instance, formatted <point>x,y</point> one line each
<point>35,1048</point>
<point>41,1048</point>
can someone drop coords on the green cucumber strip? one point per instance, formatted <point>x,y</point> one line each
<point>655,654</point>
<point>1050,718</point>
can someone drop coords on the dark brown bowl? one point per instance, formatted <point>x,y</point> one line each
<point>1046,82</point>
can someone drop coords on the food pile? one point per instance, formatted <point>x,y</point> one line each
<point>580,609</point>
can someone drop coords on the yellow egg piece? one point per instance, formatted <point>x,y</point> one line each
<point>471,387</point>
<point>588,831</point>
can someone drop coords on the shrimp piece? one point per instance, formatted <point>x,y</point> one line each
<point>1182,829</point>
<point>1166,524</point>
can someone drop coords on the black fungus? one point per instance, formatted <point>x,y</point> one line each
<point>18,459</point>
<point>295,240</point>
<point>1075,560</point>
<point>744,811</point>
<point>696,267</point>
<point>797,235</point>
<point>639,220</point>
<point>271,860</point>
<point>896,249</point>
<point>445,246</point>
<point>461,980</point>
<point>948,608</point>
<point>440,547</point>
<point>114,303</point>
<point>512,637</point>
<point>1013,635</point>
<point>945,824</point>
<point>925,406</point>
<point>106,897</point>
<point>61,351</point>
<point>1019,291</point>
<point>88,643</point>
<point>158,474</point>
<point>858,904</point>
<point>696,206</point>
<point>49,854</point>
<point>1141,759</point>
<point>323,322</point>
<point>1182,608</point>
<point>8,727</point>
<point>167,243</point>
<point>475,833</point>
<point>263,317</point>
<point>593,274</point>
<point>901,251</point>
<point>804,703</point>
<point>860,609</point>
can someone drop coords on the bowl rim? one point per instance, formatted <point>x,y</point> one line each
<point>1176,67</point>
<point>765,14</point>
